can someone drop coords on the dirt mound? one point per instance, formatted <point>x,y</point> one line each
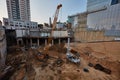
<point>16,60</point>
<point>18,75</point>
<point>58,48</point>
<point>99,65</point>
<point>87,50</point>
<point>100,53</point>
<point>101,68</point>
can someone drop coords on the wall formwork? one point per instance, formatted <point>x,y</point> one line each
<point>3,51</point>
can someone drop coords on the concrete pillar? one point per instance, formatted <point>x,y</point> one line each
<point>22,42</point>
<point>38,42</point>
<point>52,42</point>
<point>2,60</point>
<point>30,42</point>
<point>68,46</point>
<point>45,41</point>
<point>27,42</point>
<point>19,42</point>
<point>59,41</point>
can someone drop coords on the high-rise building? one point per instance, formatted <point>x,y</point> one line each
<point>103,14</point>
<point>93,5</point>
<point>18,9</point>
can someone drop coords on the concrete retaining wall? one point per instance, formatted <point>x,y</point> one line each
<point>3,51</point>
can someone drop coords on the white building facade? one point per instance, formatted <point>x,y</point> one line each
<point>8,23</point>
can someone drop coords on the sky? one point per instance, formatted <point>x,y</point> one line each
<point>41,10</point>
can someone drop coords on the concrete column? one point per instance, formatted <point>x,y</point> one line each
<point>68,47</point>
<point>26,42</point>
<point>38,41</point>
<point>17,42</point>
<point>30,42</point>
<point>22,42</point>
<point>52,42</point>
<point>45,41</point>
<point>59,41</point>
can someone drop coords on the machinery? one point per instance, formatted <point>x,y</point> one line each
<point>40,55</point>
<point>54,22</point>
<point>53,26</point>
<point>70,56</point>
<point>56,16</point>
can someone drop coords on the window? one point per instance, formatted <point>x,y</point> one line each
<point>114,2</point>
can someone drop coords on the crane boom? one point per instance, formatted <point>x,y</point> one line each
<point>56,16</point>
<point>53,26</point>
<point>54,22</point>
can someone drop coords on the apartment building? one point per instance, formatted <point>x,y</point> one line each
<point>18,9</point>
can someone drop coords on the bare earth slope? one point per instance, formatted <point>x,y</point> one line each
<point>99,61</point>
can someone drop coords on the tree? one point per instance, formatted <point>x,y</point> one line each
<point>40,26</point>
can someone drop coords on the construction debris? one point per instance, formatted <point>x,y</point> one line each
<point>6,73</point>
<point>85,70</point>
<point>101,68</point>
<point>90,64</point>
<point>75,52</point>
<point>58,62</point>
<point>32,65</point>
<point>42,57</point>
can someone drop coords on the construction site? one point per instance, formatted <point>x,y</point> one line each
<point>59,54</point>
<point>98,61</point>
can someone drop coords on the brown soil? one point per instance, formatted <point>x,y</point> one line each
<point>29,67</point>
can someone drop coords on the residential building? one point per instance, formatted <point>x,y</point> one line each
<point>11,24</point>
<point>18,9</point>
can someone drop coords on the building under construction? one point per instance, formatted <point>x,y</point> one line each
<point>77,53</point>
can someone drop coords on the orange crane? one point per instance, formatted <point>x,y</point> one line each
<point>56,16</point>
<point>54,22</point>
<point>41,56</point>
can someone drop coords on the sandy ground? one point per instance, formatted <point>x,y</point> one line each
<point>106,54</point>
<point>110,49</point>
